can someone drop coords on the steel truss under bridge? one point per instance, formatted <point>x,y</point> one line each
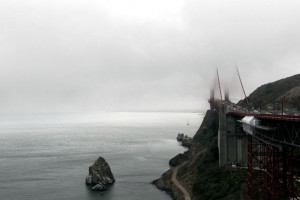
<point>271,161</point>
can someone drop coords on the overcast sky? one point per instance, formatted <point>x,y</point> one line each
<point>124,55</point>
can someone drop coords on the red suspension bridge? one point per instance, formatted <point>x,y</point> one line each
<point>264,142</point>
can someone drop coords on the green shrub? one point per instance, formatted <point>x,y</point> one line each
<point>214,183</point>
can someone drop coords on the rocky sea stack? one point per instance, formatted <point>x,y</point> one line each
<point>100,175</point>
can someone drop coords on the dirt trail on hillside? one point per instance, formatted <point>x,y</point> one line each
<point>187,195</point>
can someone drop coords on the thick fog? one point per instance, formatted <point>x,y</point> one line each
<point>140,55</point>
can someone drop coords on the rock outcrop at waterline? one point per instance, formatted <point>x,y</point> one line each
<point>185,140</point>
<point>177,160</point>
<point>165,183</point>
<point>100,175</point>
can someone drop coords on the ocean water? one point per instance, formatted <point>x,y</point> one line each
<point>46,156</point>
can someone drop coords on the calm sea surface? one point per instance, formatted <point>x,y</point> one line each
<point>47,156</point>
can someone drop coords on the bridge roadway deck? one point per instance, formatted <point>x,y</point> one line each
<point>278,117</point>
<point>236,110</point>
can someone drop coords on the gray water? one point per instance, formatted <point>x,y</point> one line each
<point>47,156</point>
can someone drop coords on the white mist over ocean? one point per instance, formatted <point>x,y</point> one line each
<point>46,156</point>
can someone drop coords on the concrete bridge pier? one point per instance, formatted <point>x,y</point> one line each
<point>232,141</point>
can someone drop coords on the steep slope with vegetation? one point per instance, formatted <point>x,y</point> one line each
<point>203,176</point>
<point>269,96</point>
<point>200,173</point>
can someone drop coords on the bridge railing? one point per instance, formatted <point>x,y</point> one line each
<point>271,116</point>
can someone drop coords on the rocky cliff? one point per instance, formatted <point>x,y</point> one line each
<point>198,170</point>
<point>203,144</point>
<point>100,175</point>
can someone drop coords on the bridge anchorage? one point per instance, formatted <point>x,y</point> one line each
<point>266,143</point>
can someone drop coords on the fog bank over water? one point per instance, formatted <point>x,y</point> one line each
<point>140,55</point>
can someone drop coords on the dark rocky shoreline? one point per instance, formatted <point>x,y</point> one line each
<point>165,183</point>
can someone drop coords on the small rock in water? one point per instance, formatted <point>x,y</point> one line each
<point>100,175</point>
<point>180,137</point>
<point>185,140</point>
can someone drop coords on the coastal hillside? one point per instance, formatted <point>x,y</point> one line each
<point>269,96</point>
<point>197,169</point>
